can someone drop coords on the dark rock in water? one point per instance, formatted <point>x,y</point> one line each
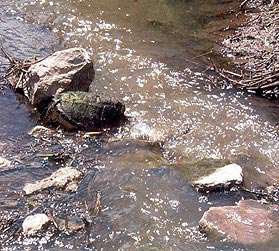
<point>247,223</point>
<point>85,111</point>
<point>69,223</point>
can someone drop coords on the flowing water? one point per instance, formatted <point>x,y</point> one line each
<point>146,53</point>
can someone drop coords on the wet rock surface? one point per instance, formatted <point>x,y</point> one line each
<point>249,222</point>
<point>222,178</point>
<point>58,179</point>
<point>83,110</point>
<point>66,70</point>
<point>69,224</point>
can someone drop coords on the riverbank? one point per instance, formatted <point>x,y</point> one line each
<point>254,50</point>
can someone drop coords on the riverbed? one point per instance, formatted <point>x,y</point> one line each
<point>148,54</point>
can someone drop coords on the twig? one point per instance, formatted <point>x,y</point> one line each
<point>11,60</point>
<point>242,5</point>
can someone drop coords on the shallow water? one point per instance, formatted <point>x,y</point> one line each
<point>146,53</point>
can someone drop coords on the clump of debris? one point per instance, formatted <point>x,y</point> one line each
<point>254,49</point>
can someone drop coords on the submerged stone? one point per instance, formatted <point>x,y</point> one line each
<point>222,178</point>
<point>58,179</point>
<point>69,223</point>
<point>247,223</point>
<point>83,110</point>
<point>34,223</point>
<point>137,153</point>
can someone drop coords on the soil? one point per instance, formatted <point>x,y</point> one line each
<point>254,49</point>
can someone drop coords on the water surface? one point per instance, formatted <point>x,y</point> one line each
<point>147,54</point>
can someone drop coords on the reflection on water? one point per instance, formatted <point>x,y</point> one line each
<point>145,53</point>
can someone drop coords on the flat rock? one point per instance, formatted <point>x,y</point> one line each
<point>58,179</point>
<point>247,223</point>
<point>34,223</point>
<point>69,223</point>
<point>66,70</point>
<point>222,178</point>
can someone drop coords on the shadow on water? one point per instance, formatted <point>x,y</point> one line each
<point>145,53</point>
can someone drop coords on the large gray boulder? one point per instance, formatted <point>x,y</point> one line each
<point>249,222</point>
<point>66,70</point>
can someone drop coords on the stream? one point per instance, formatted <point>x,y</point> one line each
<point>148,54</point>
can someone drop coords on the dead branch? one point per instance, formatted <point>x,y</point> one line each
<point>17,72</point>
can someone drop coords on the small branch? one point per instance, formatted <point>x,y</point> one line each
<point>243,4</point>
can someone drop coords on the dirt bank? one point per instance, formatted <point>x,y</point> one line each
<point>254,49</point>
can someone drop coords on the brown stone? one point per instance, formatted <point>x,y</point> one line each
<point>66,70</point>
<point>249,222</point>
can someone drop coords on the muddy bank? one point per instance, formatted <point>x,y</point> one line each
<point>253,48</point>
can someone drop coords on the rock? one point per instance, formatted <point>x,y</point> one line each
<point>137,153</point>
<point>222,178</point>
<point>40,131</point>
<point>259,172</point>
<point>4,162</point>
<point>72,186</point>
<point>58,179</point>
<point>247,223</point>
<point>69,223</point>
<point>143,131</point>
<point>66,70</point>
<point>33,223</point>
<point>84,111</point>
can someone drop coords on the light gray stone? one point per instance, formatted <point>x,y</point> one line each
<point>34,223</point>
<point>4,162</point>
<point>40,131</point>
<point>224,177</point>
<point>58,179</point>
